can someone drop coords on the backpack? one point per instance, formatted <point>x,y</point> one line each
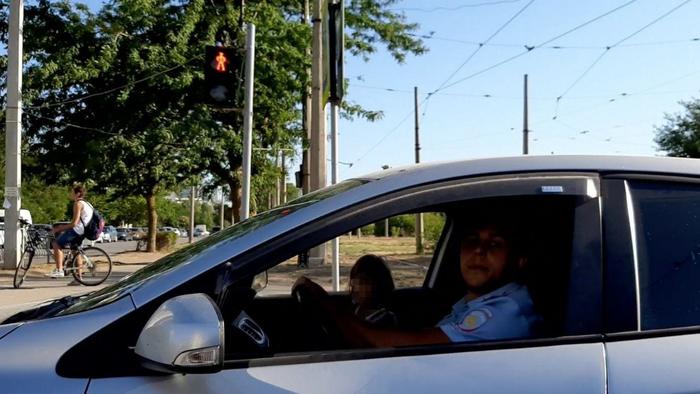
<point>96,225</point>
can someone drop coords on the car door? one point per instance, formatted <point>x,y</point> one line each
<point>653,275</point>
<point>571,361</point>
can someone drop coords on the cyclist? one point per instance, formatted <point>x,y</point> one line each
<point>73,231</point>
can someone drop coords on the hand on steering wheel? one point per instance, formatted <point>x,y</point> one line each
<point>315,304</point>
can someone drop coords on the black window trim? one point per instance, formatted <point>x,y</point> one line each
<point>423,350</point>
<point>397,202</point>
<point>638,333</point>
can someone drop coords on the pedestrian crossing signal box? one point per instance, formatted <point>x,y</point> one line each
<point>221,70</point>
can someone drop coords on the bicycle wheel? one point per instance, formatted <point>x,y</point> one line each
<point>23,267</point>
<point>96,267</point>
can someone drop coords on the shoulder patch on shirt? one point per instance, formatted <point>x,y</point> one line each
<point>474,319</point>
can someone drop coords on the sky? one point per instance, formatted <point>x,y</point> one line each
<point>611,99</point>
<point>583,98</point>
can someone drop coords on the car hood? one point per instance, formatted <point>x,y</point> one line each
<point>5,329</point>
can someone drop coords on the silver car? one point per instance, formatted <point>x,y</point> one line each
<point>613,269</point>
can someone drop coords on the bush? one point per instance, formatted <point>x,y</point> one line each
<point>165,240</point>
<point>432,228</point>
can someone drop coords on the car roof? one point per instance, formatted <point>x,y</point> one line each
<point>528,163</point>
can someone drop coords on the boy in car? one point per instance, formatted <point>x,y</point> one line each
<point>494,307</point>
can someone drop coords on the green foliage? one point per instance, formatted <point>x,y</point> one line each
<point>115,97</point>
<point>48,204</point>
<point>680,136</point>
<point>433,224</point>
<point>368,229</point>
<point>204,214</point>
<point>165,241</point>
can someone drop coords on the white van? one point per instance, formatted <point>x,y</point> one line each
<point>23,214</point>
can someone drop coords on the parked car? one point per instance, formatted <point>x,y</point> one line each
<point>612,246</point>
<point>183,232</point>
<point>138,232</point>
<point>109,234</point>
<point>168,229</point>
<point>124,234</point>
<point>199,232</point>
<point>23,214</point>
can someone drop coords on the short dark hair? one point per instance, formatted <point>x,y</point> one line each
<point>375,269</point>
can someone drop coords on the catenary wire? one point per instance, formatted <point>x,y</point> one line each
<point>530,49</point>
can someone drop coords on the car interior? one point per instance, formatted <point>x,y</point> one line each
<point>283,326</point>
<point>292,326</point>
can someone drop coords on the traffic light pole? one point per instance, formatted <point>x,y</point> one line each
<point>13,136</point>
<point>248,118</point>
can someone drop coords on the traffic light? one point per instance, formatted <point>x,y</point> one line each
<point>221,67</point>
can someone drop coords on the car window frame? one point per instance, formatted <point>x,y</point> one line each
<point>622,307</point>
<point>421,197</point>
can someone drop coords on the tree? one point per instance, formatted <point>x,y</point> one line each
<point>282,78</point>
<point>114,97</point>
<point>680,136</point>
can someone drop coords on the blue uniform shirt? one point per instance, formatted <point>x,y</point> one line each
<point>504,313</point>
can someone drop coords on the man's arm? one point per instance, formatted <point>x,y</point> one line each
<point>74,222</point>
<point>360,334</point>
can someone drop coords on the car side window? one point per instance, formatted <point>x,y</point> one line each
<point>396,243</point>
<point>667,229</point>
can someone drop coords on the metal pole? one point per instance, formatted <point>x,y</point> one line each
<point>278,188</point>
<point>13,136</point>
<point>248,118</point>
<point>283,182</point>
<point>318,127</point>
<point>334,179</point>
<point>306,121</point>
<point>221,210</point>
<point>419,216</point>
<point>525,130</point>
<point>317,151</point>
<point>191,234</point>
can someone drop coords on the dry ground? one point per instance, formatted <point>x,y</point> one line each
<point>407,268</point>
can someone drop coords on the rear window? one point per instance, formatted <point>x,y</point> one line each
<point>667,227</point>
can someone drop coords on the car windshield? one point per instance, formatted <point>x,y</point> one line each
<point>171,261</point>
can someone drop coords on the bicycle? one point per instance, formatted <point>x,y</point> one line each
<point>94,268</point>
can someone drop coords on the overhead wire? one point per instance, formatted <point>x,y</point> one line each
<point>456,8</point>
<point>529,49</point>
<point>607,50</point>
<point>427,98</point>
<point>67,124</point>
<point>557,47</point>
<point>112,90</point>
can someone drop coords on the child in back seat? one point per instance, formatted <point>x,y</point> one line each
<point>371,286</point>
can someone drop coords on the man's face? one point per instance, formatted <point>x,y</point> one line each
<point>483,259</point>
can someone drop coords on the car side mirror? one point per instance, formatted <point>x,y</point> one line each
<point>184,335</point>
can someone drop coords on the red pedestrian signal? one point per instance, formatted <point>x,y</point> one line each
<point>221,69</point>
<point>221,61</point>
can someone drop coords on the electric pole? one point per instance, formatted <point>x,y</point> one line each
<point>419,216</point>
<point>306,120</point>
<point>13,136</point>
<point>191,234</point>
<point>317,153</point>
<point>525,130</point>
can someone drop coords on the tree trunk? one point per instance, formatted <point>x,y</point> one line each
<point>236,202</point>
<point>152,221</point>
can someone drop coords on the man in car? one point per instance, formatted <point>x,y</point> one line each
<point>494,307</point>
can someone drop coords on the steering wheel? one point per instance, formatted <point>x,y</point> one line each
<point>312,312</point>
